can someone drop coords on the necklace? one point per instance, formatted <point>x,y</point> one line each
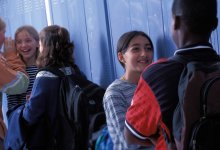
<point>123,78</point>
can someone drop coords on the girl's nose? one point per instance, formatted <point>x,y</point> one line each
<point>144,51</point>
<point>23,44</point>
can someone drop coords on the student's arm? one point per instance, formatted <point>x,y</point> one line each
<point>115,109</point>
<point>144,119</point>
<point>13,78</point>
<point>42,94</point>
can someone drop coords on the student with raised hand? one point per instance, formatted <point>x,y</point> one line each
<point>149,118</point>
<point>56,51</point>
<point>27,45</point>
<point>13,78</point>
<point>134,52</point>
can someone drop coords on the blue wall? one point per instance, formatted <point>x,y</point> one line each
<point>96,25</point>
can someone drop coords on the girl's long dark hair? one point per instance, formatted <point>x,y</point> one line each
<point>57,47</point>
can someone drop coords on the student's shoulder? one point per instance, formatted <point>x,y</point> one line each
<point>162,68</point>
<point>45,74</point>
<point>114,87</point>
<point>163,64</point>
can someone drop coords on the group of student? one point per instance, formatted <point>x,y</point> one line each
<point>139,106</point>
<point>20,62</point>
<point>14,79</point>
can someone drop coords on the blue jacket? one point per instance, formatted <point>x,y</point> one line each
<point>27,118</point>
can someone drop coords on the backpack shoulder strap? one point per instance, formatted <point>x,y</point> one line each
<point>53,70</point>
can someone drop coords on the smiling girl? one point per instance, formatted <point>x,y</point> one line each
<point>27,45</point>
<point>135,52</point>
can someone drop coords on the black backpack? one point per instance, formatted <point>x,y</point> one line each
<point>78,118</point>
<point>70,131</point>
<point>88,109</point>
<point>196,120</point>
<point>95,94</point>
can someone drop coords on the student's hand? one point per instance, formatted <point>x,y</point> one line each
<point>28,95</point>
<point>2,59</point>
<point>9,45</point>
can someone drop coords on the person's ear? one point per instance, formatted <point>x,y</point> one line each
<point>121,57</point>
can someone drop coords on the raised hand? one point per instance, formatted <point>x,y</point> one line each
<point>9,44</point>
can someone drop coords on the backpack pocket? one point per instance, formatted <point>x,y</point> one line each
<point>205,134</point>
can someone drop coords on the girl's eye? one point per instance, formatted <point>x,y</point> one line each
<point>148,48</point>
<point>25,41</point>
<point>135,49</point>
<point>18,42</point>
<point>28,40</point>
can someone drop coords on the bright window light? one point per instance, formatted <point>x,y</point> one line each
<point>48,12</point>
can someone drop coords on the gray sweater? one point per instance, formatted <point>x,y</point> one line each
<point>116,101</point>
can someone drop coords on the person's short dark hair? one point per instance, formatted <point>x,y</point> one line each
<point>58,49</point>
<point>200,16</point>
<point>125,39</point>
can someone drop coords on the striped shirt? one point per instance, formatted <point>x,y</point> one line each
<point>116,101</point>
<point>14,100</point>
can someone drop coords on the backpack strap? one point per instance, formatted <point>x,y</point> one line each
<point>185,60</point>
<point>61,72</point>
<point>205,89</point>
<point>53,70</point>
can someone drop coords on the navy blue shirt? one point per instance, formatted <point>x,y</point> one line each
<point>163,78</point>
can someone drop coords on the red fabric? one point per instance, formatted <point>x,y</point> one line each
<point>156,62</point>
<point>144,108</point>
<point>144,114</point>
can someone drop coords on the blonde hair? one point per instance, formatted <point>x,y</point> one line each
<point>2,24</point>
<point>30,29</point>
